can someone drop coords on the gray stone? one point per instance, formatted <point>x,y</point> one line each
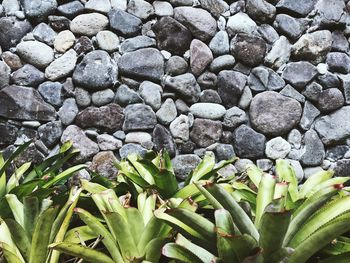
<point>211,111</point>
<point>10,6</point>
<point>88,24</point>
<point>151,94</point>
<point>200,56</point>
<point>167,112</point>
<point>313,46</point>
<point>268,33</point>
<point>87,148</point>
<point>330,100</point>
<point>62,66</point>
<point>338,62</point>
<point>139,65</point>
<point>274,114</point>
<point>248,143</point>
<point>59,23</point>
<point>103,164</point>
<point>263,78</point>
<point>135,43</point>
<point>176,66</point>
<point>184,164</point>
<point>71,9</point>
<point>329,80</point>
<point>312,91</point>
<point>38,9</point>
<point>222,63</point>
<point>52,92</point>
<point>68,111</point>
<point>12,61</point>
<point>215,7</point>
<point>107,142</point>
<point>289,91</point>
<point>294,138</point>
<point>260,10</point>
<point>224,152</point>
<point>240,23</point>
<point>50,133</point>
<point>220,43</point>
<point>279,53</point>
<point>131,148</point>
<point>28,75</point>
<point>125,96</point>
<point>162,139</point>
<point>102,97</point>
<point>314,149</point>
<point>207,80</point>
<point>36,53</point>
<point>206,132</point>
<point>12,31</point>
<point>198,21</point>
<point>64,41</point>
<point>119,135</point>
<point>289,26</point>
<point>82,97</point>
<point>242,164</point>
<point>142,138</point>
<point>334,127</point>
<point>139,117</point>
<point>124,23</point>
<point>230,86</point>
<point>299,74</point>
<point>103,6</point>
<point>179,128</point>
<point>277,148</point>
<point>339,43</point>
<point>107,118</point>
<point>246,98</point>
<point>5,72</point>
<point>163,8</point>
<point>342,168</point>
<point>96,71</point>
<point>248,49</point>
<point>296,7</point>
<point>337,152</point>
<point>234,117</point>
<point>310,113</point>
<point>329,17</point>
<point>264,164</point>
<point>83,45</point>
<point>107,40</point>
<point>140,8</point>
<point>185,85</point>
<point>210,96</point>
<point>44,33</point>
<point>24,103</point>
<point>8,133</point>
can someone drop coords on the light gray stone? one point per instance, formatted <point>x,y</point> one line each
<point>88,24</point>
<point>277,148</point>
<point>68,111</point>
<point>179,128</point>
<point>211,111</point>
<point>167,112</point>
<point>36,53</point>
<point>62,66</point>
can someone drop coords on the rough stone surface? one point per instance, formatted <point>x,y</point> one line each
<point>249,143</point>
<point>299,74</point>
<point>139,117</point>
<point>35,53</point>
<point>206,132</point>
<point>184,164</point>
<point>277,148</point>
<point>88,24</point>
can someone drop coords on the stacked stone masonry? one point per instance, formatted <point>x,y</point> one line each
<point>257,79</point>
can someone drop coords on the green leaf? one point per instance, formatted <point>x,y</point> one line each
<point>153,250</point>
<point>135,223</point>
<point>9,255</point>
<point>337,181</point>
<point>265,196</point>
<point>16,208</point>
<point>143,168</point>
<point>219,198</point>
<point>92,188</point>
<point>188,191</point>
<point>175,251</point>
<point>17,175</point>
<point>342,258</point>
<point>313,181</point>
<point>41,236</point>
<point>85,253</point>
<point>64,175</point>
<point>99,229</point>
<point>123,169</point>
<point>286,173</point>
<point>204,167</point>
<point>254,174</point>
<point>80,233</point>
<point>31,212</point>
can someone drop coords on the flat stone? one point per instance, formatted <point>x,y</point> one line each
<point>107,40</point>
<point>222,63</point>
<point>36,53</point>
<point>107,142</point>
<point>200,56</point>
<point>263,78</point>
<point>139,117</point>
<point>313,46</point>
<point>125,96</point>
<point>179,128</point>
<point>131,148</point>
<point>248,143</point>
<point>339,43</point>
<point>330,100</point>
<point>268,33</point>
<point>68,111</point>
<point>246,98</point>
<point>14,104</point>
<point>103,164</point>
<point>249,50</point>
<point>329,17</point>
<point>277,148</point>
<point>216,8</point>
<point>185,85</point>
<point>167,112</point>
<point>38,9</point>
<point>310,113</point>
<point>210,96</point>
<point>220,43</point>
<point>163,8</point>
<point>241,23</point>
<point>185,163</point>
<point>71,9</point>
<point>234,117</point>
<point>141,138</point>
<point>103,6</point>
<point>210,111</point>
<point>261,10</point>
<point>62,66</point>
<point>296,7</point>
<point>198,21</point>
<point>87,148</point>
<point>206,132</point>
<point>124,23</point>
<point>163,140</point>
<point>64,41</point>
<point>102,97</point>
<point>291,92</point>
<point>12,61</point>
<point>289,26</point>
<point>52,92</point>
<point>274,114</point>
<point>138,65</point>
<point>338,62</point>
<point>151,94</point>
<point>44,33</point>
<point>135,43</point>
<point>28,75</point>
<point>96,71</point>
<point>83,45</point>
<point>312,91</point>
<point>12,30</point>
<point>224,152</point>
<point>299,74</point>
<point>334,127</point>
<point>82,97</point>
<point>279,53</point>
<point>230,86</point>
<point>88,24</point>
<point>59,23</point>
<point>50,133</point>
<point>314,149</point>
<point>107,118</point>
<point>140,8</point>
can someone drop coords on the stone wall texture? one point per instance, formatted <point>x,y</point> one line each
<point>257,79</point>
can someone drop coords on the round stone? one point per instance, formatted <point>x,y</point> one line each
<point>205,110</point>
<point>107,40</point>
<point>35,53</point>
<point>277,148</point>
<point>64,41</point>
<point>88,24</point>
<point>274,114</point>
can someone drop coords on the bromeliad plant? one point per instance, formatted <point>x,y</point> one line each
<point>284,224</point>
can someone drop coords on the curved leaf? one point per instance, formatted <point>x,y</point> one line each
<point>175,251</point>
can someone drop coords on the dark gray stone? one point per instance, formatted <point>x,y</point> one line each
<point>291,92</point>
<point>184,164</point>
<point>224,152</point>
<point>314,149</point>
<point>125,96</point>
<point>97,71</point>
<point>162,139</point>
<point>4,74</point>
<point>71,9</point>
<point>139,117</point>
<point>124,23</point>
<point>12,31</point>
<point>248,143</point>
<point>338,62</point>
<point>176,65</point>
<point>296,7</point>
<point>310,113</point>
<point>8,133</point>
<point>260,10</point>
<point>68,111</point>
<point>206,132</point>
<point>52,92</point>
<point>312,91</point>
<point>342,168</point>
<point>14,104</point>
<point>234,117</point>
<point>135,43</point>
<point>263,78</point>
<point>329,13</point>
<point>50,133</point>
<point>337,152</point>
<point>44,33</point>
<point>38,9</point>
<point>299,74</point>
<point>211,96</point>
<point>28,75</point>
<point>330,100</point>
<point>146,63</point>
<point>289,26</point>
<point>274,114</point>
<point>339,43</point>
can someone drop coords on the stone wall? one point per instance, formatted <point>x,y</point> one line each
<point>260,79</point>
